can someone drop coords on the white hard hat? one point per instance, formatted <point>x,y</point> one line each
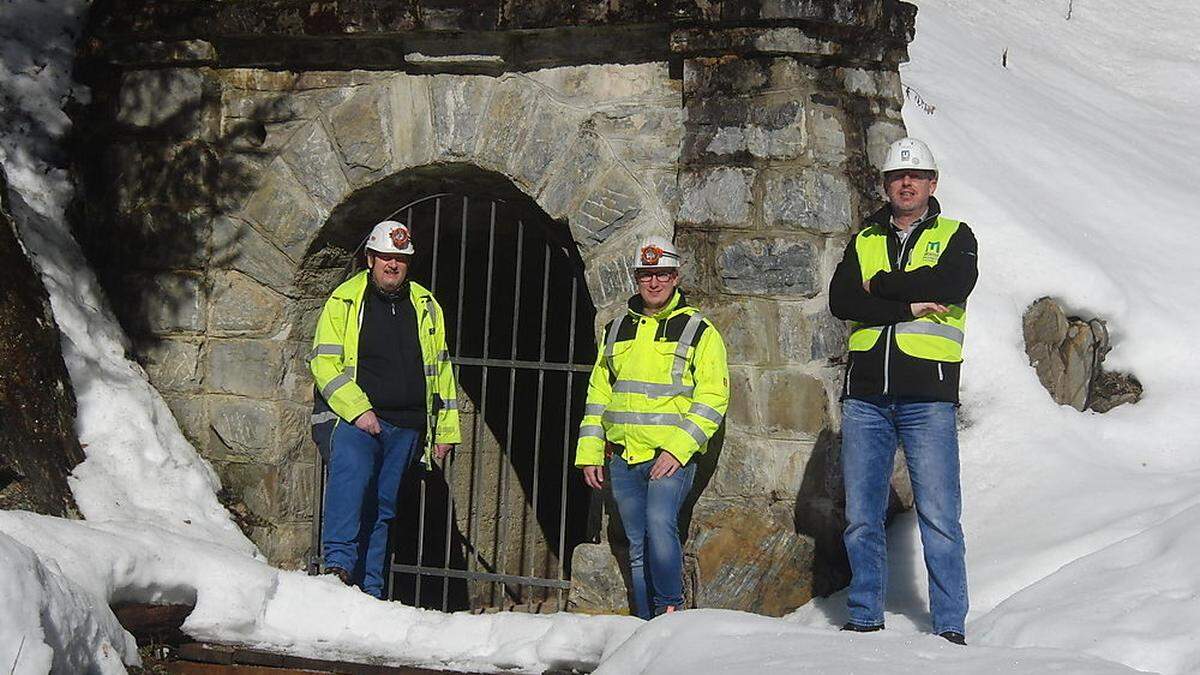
<point>390,236</point>
<point>909,153</point>
<point>656,252</point>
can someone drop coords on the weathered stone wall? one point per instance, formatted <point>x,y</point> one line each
<point>232,176</point>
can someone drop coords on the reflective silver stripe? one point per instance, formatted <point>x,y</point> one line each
<point>926,328</point>
<point>591,431</point>
<point>336,383</point>
<point>325,350</point>
<point>350,371</point>
<point>443,355</point>
<point>593,409</point>
<point>707,412</point>
<point>651,389</point>
<point>321,418</point>
<point>685,342</point>
<point>652,419</point>
<point>433,315</point>
<point>450,404</point>
<point>694,431</point>
<point>610,341</point>
<point>431,370</point>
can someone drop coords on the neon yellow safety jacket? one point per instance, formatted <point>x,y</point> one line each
<point>660,381</point>
<point>937,337</point>
<point>334,358</point>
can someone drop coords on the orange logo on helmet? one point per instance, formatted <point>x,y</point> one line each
<point>651,255</point>
<point>399,237</point>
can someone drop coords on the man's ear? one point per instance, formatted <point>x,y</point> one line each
<point>933,185</point>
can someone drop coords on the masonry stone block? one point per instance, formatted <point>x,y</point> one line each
<point>171,302</point>
<point>748,327</point>
<point>412,121</point>
<point>311,157</point>
<point>173,365</point>
<point>362,128</point>
<point>743,410</point>
<point>242,429</point>
<point>239,246</point>
<point>281,208</point>
<point>506,122</point>
<point>154,98</point>
<point>769,266</point>
<point>827,136</point>
<point>459,104</point>
<point>242,306</point>
<point>551,128</point>
<point>191,412</point>
<point>880,135</point>
<point>614,203</point>
<point>812,200</point>
<point>794,403</point>
<point>244,367</point>
<point>719,195</point>
<point>756,467</point>
<point>570,179</point>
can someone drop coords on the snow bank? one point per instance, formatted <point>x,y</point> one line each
<point>50,624</point>
<point>720,641</point>
<point>247,602</point>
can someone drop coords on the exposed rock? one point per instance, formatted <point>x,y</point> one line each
<point>597,585</point>
<point>38,446</point>
<point>1068,353</point>
<point>769,266</point>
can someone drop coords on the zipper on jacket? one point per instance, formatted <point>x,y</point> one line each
<point>887,351</point>
<point>849,370</point>
<point>941,377</point>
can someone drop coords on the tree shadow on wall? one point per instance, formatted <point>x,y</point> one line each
<point>158,170</point>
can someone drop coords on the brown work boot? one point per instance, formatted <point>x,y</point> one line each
<point>341,574</point>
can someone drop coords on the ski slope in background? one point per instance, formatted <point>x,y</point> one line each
<point>1074,165</point>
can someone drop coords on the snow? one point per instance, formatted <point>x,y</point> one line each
<point>1073,166</point>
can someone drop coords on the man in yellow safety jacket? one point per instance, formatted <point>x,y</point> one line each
<point>903,284</point>
<point>656,396</point>
<point>384,383</point>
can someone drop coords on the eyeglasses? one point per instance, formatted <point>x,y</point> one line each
<point>644,276</point>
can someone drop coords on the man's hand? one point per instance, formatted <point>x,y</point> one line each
<point>440,450</point>
<point>594,477</point>
<point>368,423</point>
<point>665,466</point>
<point>920,309</point>
<point>867,285</point>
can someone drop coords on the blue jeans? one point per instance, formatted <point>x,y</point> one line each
<point>871,429</point>
<point>360,499</point>
<point>650,515</point>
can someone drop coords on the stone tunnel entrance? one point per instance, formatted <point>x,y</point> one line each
<point>496,524</point>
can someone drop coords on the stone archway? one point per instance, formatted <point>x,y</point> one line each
<point>330,152</point>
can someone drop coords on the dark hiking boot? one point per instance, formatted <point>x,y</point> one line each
<point>341,574</point>
<point>855,628</point>
<point>954,636</point>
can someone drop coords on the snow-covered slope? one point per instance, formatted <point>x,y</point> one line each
<point>1073,164</point>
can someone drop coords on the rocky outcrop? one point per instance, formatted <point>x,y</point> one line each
<point>38,445</point>
<point>1068,355</point>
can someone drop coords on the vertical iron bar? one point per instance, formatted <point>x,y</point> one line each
<point>421,506</point>
<point>448,463</point>
<point>562,509</point>
<point>471,503</point>
<point>507,466</point>
<point>537,439</point>
<point>487,336</point>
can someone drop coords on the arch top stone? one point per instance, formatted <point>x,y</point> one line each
<point>352,137</point>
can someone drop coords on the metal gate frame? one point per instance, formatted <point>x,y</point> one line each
<point>570,422</point>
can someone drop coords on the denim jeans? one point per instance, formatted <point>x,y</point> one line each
<point>871,429</point>
<point>650,515</point>
<point>360,499</point>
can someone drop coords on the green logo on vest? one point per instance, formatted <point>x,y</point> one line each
<point>933,251</point>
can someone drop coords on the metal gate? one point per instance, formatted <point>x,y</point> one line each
<point>495,525</point>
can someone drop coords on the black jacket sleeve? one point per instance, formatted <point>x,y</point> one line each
<point>850,302</point>
<point>949,281</point>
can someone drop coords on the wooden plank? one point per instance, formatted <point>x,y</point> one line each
<point>226,660</point>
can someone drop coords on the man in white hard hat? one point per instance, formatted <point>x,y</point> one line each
<point>656,396</point>
<point>384,385</point>
<point>903,285</point>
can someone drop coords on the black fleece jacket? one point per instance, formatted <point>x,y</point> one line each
<point>391,370</point>
<point>885,369</point>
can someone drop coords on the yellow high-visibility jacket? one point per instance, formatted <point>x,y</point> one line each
<point>660,381</point>
<point>334,359</point>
